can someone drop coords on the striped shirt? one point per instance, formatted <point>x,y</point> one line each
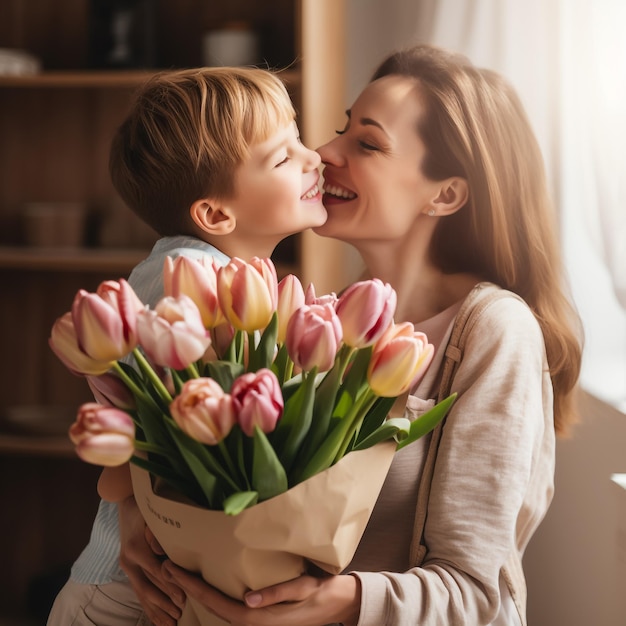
<point>99,561</point>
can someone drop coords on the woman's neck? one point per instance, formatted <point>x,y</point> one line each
<point>423,290</point>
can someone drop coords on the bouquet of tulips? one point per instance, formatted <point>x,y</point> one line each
<point>237,388</point>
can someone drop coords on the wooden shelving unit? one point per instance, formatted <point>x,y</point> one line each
<point>56,127</point>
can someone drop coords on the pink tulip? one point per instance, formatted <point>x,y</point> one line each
<point>106,321</point>
<point>103,435</point>
<point>290,298</point>
<point>314,336</point>
<point>204,411</point>
<point>109,390</point>
<point>64,344</point>
<point>196,278</point>
<point>258,401</point>
<point>311,298</point>
<point>366,309</point>
<point>399,359</point>
<point>173,335</point>
<point>248,293</point>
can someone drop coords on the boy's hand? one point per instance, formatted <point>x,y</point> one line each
<point>114,484</point>
<point>140,558</point>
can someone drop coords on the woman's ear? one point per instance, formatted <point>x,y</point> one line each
<point>453,195</point>
<point>212,217</point>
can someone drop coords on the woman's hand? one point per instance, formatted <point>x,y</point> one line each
<point>140,558</point>
<point>306,601</point>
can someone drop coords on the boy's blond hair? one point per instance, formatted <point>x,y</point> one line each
<point>186,133</point>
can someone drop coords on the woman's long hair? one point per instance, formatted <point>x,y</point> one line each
<point>475,127</point>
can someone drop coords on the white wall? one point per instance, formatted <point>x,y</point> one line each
<point>571,563</point>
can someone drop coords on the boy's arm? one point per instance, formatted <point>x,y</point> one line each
<point>114,484</point>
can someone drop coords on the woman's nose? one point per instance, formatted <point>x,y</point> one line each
<point>329,152</point>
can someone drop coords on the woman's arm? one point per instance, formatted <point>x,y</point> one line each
<point>492,484</point>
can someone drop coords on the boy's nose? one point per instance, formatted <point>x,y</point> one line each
<point>312,159</point>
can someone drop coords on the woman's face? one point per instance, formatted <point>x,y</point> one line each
<point>374,188</point>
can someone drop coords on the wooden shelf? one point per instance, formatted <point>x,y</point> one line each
<point>70,259</point>
<point>100,79</point>
<point>41,446</point>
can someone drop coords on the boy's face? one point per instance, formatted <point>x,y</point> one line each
<point>276,191</point>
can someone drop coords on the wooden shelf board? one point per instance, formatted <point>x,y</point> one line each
<point>70,259</point>
<point>99,79</point>
<point>49,446</point>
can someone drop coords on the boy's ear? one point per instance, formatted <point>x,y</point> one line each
<point>212,217</point>
<point>453,194</point>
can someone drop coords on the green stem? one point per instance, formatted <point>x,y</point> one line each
<point>146,446</point>
<point>345,354</point>
<point>151,374</point>
<point>128,381</point>
<point>362,406</point>
<point>192,370</point>
<point>229,462</point>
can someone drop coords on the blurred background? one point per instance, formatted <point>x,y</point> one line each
<point>68,69</point>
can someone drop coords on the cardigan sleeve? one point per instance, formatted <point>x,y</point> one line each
<point>492,484</point>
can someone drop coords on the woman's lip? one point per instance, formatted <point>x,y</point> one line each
<point>329,200</point>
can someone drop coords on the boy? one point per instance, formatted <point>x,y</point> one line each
<point>211,159</point>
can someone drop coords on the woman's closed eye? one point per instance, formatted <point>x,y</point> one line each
<point>368,146</point>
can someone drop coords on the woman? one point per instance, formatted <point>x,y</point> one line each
<point>438,182</point>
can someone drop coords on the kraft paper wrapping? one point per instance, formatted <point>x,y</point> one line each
<point>320,520</point>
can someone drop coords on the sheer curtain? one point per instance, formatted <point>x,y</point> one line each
<point>567,59</point>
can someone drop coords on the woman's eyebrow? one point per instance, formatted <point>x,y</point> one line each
<point>367,121</point>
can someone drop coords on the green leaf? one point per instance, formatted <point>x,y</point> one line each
<point>397,427</point>
<point>357,372</point>
<point>237,502</point>
<point>224,373</point>
<point>156,432</point>
<point>263,355</point>
<point>186,488</point>
<point>337,440</point>
<point>426,422</point>
<point>375,417</point>
<point>269,478</point>
<point>323,406</point>
<point>282,365</point>
<point>295,422</point>
<point>196,457</point>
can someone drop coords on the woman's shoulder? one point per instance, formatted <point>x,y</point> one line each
<point>498,311</point>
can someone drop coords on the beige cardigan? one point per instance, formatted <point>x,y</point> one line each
<point>492,484</point>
